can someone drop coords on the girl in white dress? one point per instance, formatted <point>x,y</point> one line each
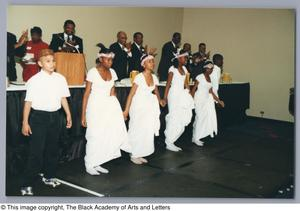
<point>180,102</point>
<point>143,108</point>
<point>206,119</point>
<point>106,131</point>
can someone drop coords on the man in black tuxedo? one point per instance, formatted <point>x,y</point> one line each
<point>168,51</point>
<point>199,59</point>
<point>67,41</point>
<point>137,51</point>
<point>122,51</point>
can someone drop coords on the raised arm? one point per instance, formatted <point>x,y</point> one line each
<point>84,102</point>
<point>129,100</point>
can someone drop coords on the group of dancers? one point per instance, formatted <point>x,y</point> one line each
<point>106,132</point>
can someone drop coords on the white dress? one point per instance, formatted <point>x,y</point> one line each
<point>206,119</point>
<point>106,131</point>
<point>180,105</point>
<point>144,118</point>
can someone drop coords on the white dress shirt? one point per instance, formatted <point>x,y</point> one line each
<point>66,37</point>
<point>45,91</point>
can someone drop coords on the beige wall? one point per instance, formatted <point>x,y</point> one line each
<point>258,47</point>
<point>258,44</point>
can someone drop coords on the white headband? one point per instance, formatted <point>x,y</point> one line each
<point>179,55</point>
<point>107,55</point>
<point>146,58</point>
<point>210,65</point>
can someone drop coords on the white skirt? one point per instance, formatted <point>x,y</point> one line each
<point>206,119</point>
<point>180,105</point>
<point>144,124</point>
<point>106,131</point>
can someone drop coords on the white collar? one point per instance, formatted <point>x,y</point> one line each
<point>121,45</point>
<point>139,47</point>
<point>66,36</point>
<point>173,44</point>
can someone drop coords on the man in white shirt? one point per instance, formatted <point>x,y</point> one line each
<point>216,73</point>
<point>46,93</point>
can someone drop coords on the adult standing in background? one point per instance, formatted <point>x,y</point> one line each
<point>14,48</point>
<point>199,59</point>
<point>33,47</point>
<point>188,48</point>
<point>201,55</point>
<point>168,51</point>
<point>122,51</point>
<point>216,73</point>
<point>137,51</point>
<point>67,41</point>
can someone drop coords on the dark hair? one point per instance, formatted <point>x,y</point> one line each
<point>137,33</point>
<point>36,30</point>
<point>103,49</point>
<point>202,44</point>
<point>176,34</point>
<point>175,61</point>
<point>143,57</point>
<point>217,57</point>
<point>69,22</point>
<point>187,44</point>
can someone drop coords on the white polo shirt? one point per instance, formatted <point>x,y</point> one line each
<point>45,91</point>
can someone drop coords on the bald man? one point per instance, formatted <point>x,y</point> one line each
<point>122,51</point>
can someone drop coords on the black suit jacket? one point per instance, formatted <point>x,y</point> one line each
<point>120,61</point>
<point>135,60</point>
<point>57,42</point>
<point>165,62</point>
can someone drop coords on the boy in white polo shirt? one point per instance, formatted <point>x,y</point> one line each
<point>46,92</point>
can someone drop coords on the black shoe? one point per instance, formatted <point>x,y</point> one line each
<point>26,191</point>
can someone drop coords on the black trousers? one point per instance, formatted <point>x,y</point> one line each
<point>43,150</point>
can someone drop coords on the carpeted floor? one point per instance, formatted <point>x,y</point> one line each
<point>252,160</point>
